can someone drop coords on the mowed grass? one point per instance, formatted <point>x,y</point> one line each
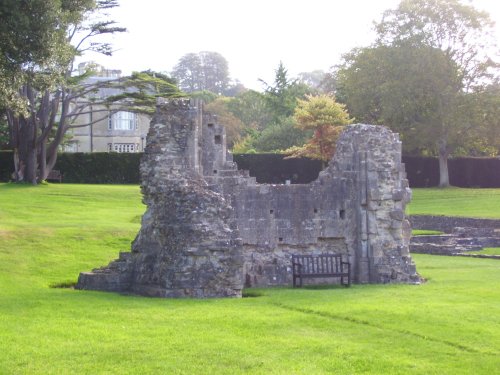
<point>48,234</point>
<point>482,203</point>
<point>488,251</point>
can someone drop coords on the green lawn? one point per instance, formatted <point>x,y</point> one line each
<point>484,203</point>
<point>48,234</point>
<point>488,251</point>
<point>425,232</point>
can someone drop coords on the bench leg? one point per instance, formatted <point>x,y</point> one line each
<point>348,284</point>
<point>295,285</point>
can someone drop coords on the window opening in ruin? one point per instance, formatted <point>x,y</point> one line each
<point>215,171</point>
<point>218,139</point>
<point>342,214</point>
<point>210,125</point>
<point>280,239</point>
<point>315,210</point>
<point>271,211</point>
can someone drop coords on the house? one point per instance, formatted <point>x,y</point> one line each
<point>111,131</point>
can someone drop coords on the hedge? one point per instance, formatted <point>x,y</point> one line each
<point>274,168</point>
<point>6,165</point>
<point>115,168</point>
<point>94,168</point>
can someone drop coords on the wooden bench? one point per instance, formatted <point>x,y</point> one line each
<point>55,175</point>
<point>324,265</point>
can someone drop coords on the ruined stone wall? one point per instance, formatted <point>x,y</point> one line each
<point>210,227</point>
<point>188,244</point>
<point>355,207</point>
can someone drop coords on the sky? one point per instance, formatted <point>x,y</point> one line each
<point>253,35</point>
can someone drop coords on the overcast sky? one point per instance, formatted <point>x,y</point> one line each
<point>253,36</point>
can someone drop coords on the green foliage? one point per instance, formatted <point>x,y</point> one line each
<point>33,40</point>
<point>413,90</point>
<point>324,117</point>
<point>251,108</point>
<point>207,96</point>
<point>431,55</point>
<point>281,97</point>
<point>244,145</point>
<point>280,136</point>
<point>462,32</point>
<point>140,91</point>
<point>4,131</point>
<point>45,97</point>
<point>449,325</point>
<point>272,114</point>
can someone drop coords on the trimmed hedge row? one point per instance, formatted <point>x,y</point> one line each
<point>464,172</point>
<point>275,169</point>
<point>114,168</point>
<point>100,167</point>
<point>6,165</point>
<point>94,168</point>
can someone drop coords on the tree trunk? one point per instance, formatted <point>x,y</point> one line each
<point>42,161</point>
<point>25,155</point>
<point>444,176</point>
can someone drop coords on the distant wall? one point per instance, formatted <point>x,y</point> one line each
<point>447,224</point>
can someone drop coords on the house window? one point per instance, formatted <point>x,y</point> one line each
<point>124,147</point>
<point>122,121</point>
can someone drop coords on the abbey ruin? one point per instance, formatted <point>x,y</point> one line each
<point>210,230</point>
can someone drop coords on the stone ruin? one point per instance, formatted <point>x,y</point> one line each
<point>210,230</point>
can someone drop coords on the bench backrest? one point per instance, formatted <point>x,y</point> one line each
<point>319,264</point>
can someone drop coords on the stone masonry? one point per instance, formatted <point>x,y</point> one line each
<point>210,229</point>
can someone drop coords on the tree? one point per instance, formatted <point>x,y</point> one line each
<point>483,111</point>
<point>30,36</point>
<point>280,137</point>
<point>202,71</point>
<point>319,81</point>
<point>48,91</point>
<point>417,78</point>
<point>325,118</point>
<point>281,97</point>
<point>251,108</point>
<point>56,101</point>
<point>463,33</point>
<point>269,115</point>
